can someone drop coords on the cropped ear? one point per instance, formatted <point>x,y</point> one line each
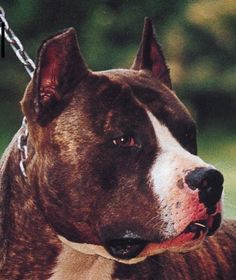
<point>150,55</point>
<point>60,67</point>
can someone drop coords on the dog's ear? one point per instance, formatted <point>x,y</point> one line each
<point>59,69</point>
<point>150,55</point>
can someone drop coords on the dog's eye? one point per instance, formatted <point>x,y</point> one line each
<point>125,141</point>
<point>190,141</point>
<point>189,135</point>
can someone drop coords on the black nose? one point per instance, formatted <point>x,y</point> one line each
<point>125,248</point>
<point>209,181</point>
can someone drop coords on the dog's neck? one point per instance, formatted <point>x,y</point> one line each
<point>73,265</point>
<point>29,231</point>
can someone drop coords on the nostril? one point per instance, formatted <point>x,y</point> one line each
<point>212,177</point>
<point>204,183</point>
<point>204,178</point>
<point>125,248</point>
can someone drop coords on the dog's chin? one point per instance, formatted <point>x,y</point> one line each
<point>190,239</point>
<point>182,243</point>
<point>92,249</point>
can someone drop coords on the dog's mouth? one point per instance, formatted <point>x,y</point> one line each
<point>207,226</point>
<point>128,248</point>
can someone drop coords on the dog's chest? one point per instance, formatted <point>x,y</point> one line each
<point>72,265</point>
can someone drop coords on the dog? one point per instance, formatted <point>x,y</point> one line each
<point>104,181</point>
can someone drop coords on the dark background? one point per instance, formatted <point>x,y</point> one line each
<point>199,40</point>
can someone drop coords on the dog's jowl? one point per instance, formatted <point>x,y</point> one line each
<point>112,187</point>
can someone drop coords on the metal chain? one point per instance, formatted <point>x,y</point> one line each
<point>17,46</point>
<point>30,67</point>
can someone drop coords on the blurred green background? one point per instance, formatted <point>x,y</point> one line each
<point>199,39</point>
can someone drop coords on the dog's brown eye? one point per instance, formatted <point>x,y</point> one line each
<point>125,141</point>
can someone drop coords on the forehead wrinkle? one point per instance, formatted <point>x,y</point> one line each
<point>164,105</point>
<point>126,90</point>
<point>152,96</point>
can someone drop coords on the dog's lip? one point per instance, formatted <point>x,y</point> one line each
<point>184,240</point>
<point>190,237</point>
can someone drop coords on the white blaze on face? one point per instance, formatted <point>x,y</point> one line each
<point>179,205</point>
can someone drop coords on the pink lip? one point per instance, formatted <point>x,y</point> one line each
<point>183,242</point>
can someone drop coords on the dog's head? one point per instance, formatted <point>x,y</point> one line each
<point>113,155</point>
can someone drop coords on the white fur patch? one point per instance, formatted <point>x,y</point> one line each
<point>73,265</point>
<point>172,161</point>
<point>167,178</point>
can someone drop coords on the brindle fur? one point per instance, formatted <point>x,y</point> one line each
<point>70,185</point>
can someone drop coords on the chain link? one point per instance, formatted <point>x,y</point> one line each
<point>16,45</point>
<point>22,146</point>
<point>29,65</point>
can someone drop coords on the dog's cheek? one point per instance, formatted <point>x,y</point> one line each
<point>124,197</point>
<point>65,201</point>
